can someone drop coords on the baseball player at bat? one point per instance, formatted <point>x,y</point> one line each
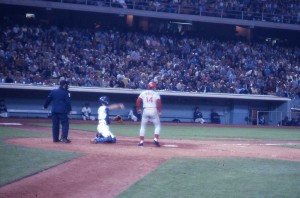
<point>151,111</point>
<point>104,135</point>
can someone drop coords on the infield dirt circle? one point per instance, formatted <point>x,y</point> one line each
<point>105,170</point>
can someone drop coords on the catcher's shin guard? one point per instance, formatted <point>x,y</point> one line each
<point>100,139</point>
<point>114,140</point>
<point>111,139</point>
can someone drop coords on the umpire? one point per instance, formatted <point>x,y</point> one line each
<point>61,107</point>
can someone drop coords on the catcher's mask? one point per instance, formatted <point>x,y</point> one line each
<point>104,100</point>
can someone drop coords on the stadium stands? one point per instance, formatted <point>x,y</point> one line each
<point>33,54</point>
<point>36,55</point>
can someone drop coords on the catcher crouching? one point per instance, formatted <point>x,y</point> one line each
<point>104,135</point>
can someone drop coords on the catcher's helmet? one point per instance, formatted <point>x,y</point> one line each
<point>152,85</point>
<point>104,99</point>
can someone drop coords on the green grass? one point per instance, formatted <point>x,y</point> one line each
<point>198,133</point>
<point>178,177</point>
<point>7,132</point>
<point>292,146</point>
<point>18,162</point>
<point>212,178</point>
<point>225,132</point>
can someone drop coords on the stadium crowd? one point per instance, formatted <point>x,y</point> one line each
<point>283,11</point>
<point>35,55</point>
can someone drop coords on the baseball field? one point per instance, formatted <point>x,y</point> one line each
<point>193,161</point>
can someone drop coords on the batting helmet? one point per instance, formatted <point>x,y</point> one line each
<point>104,99</point>
<point>152,85</point>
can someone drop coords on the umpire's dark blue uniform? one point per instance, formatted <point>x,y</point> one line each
<point>61,107</point>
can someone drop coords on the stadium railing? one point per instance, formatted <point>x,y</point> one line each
<point>33,113</point>
<point>178,8</point>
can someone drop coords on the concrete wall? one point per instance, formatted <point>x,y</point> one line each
<point>233,109</point>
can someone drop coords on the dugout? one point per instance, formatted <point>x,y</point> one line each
<point>237,109</point>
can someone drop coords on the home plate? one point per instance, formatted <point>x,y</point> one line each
<point>11,124</point>
<point>170,145</point>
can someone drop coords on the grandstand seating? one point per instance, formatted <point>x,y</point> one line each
<point>112,58</point>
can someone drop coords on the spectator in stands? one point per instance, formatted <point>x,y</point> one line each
<point>2,78</point>
<point>207,65</point>
<point>87,112</point>
<point>9,78</point>
<point>3,109</point>
<point>122,3</point>
<point>276,10</point>
<point>215,117</point>
<point>198,117</point>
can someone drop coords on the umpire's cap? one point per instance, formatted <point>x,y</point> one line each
<point>63,83</point>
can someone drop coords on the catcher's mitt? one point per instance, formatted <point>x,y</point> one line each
<point>118,118</point>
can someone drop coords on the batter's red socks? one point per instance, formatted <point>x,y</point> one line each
<point>156,137</point>
<point>141,139</point>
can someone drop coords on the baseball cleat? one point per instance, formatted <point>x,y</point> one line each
<point>65,140</point>
<point>156,143</point>
<point>141,144</point>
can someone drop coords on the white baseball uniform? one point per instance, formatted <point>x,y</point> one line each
<point>103,125</point>
<point>86,112</point>
<point>151,110</point>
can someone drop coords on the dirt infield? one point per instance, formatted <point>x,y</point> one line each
<point>106,170</point>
